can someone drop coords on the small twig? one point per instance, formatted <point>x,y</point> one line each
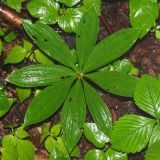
<point>106,24</point>
<point>11,17</point>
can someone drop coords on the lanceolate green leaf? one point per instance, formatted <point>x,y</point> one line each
<point>39,75</point>
<point>111,48</point>
<point>118,83</point>
<point>155,134</point>
<point>95,135</point>
<point>131,133</point>
<point>153,152</point>
<point>95,3</point>
<point>86,36</point>
<point>98,109</point>
<point>143,14</point>
<point>49,42</point>
<point>147,95</point>
<point>73,116</point>
<point>114,155</point>
<point>46,11</point>
<point>47,102</point>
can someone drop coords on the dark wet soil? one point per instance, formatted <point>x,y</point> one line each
<point>145,56</point>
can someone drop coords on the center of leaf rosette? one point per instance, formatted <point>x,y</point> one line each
<point>80,75</point>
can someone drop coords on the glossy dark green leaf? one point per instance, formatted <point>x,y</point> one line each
<point>39,75</point>
<point>86,36</point>
<point>69,21</point>
<point>95,155</point>
<point>147,95</point>
<point>98,109</point>
<point>73,116</point>
<point>111,48</point>
<point>49,42</point>
<point>153,152</point>
<point>131,133</point>
<point>47,102</point>
<point>69,3</point>
<point>95,135</point>
<point>5,104</point>
<point>155,134</point>
<point>143,14</point>
<point>118,83</point>
<point>46,11</point>
<point>114,155</point>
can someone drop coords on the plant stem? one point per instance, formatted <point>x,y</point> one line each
<point>11,17</point>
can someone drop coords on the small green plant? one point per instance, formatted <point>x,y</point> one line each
<point>100,141</point>
<point>132,133</point>
<point>16,147</point>
<point>54,143</point>
<point>143,14</point>
<point>67,13</point>
<point>5,102</point>
<point>68,81</point>
<point>110,154</point>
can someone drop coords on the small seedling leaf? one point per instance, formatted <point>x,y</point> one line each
<point>69,21</point>
<point>95,135</point>
<point>16,55</point>
<point>23,93</point>
<point>5,104</point>
<point>95,154</point>
<point>114,155</point>
<point>46,11</point>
